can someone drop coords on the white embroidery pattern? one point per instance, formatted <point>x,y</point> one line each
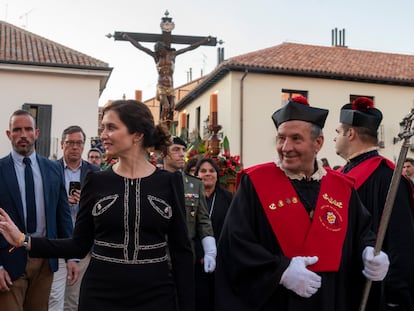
<point>132,262</point>
<point>126,215</point>
<point>164,210</point>
<point>99,207</point>
<point>137,217</point>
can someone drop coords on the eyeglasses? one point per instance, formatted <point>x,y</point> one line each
<point>94,157</point>
<point>74,143</point>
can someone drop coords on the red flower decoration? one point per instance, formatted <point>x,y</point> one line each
<point>228,165</point>
<point>362,104</point>
<point>301,100</point>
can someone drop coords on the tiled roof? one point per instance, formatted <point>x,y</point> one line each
<point>326,62</point>
<point>330,62</point>
<point>19,46</point>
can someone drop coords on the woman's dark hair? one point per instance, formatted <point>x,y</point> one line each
<point>138,119</point>
<point>190,164</point>
<point>213,164</point>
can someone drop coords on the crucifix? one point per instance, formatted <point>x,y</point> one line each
<point>164,57</point>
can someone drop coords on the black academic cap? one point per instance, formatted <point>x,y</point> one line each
<point>298,109</point>
<point>177,140</point>
<point>361,113</point>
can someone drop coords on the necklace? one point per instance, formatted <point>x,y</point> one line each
<point>212,205</point>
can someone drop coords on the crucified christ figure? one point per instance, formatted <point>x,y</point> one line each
<point>164,58</point>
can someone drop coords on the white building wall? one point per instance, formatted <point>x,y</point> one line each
<point>74,99</point>
<point>224,107</point>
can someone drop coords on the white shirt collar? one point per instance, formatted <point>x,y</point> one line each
<point>19,158</point>
<point>317,175</point>
<point>65,165</point>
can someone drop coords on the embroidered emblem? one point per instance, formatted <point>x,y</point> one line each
<point>162,207</point>
<point>332,200</point>
<point>273,206</point>
<point>280,203</point>
<point>330,218</point>
<point>103,204</point>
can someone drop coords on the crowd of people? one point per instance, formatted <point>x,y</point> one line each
<point>296,235</point>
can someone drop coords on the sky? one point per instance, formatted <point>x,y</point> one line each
<point>244,26</point>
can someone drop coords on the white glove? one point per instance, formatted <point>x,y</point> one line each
<point>210,253</point>
<point>300,280</point>
<point>375,267</point>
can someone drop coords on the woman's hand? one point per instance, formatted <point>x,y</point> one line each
<point>9,230</point>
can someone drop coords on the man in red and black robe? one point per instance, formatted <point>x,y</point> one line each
<point>296,236</point>
<point>357,142</point>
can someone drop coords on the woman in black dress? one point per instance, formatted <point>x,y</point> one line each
<point>218,202</point>
<point>129,214</point>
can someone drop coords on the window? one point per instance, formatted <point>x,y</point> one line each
<point>43,117</point>
<point>287,94</point>
<point>198,119</point>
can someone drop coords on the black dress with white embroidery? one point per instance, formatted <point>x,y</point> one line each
<point>128,222</point>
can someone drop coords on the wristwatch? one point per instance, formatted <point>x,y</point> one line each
<point>26,240</point>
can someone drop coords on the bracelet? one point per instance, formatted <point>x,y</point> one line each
<point>19,244</point>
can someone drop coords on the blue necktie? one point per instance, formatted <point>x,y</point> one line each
<point>30,197</point>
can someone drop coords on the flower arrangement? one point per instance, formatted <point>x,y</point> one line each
<point>228,165</point>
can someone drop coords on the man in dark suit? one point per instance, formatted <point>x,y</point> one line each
<point>62,296</point>
<point>25,282</point>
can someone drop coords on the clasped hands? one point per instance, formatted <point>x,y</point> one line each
<point>305,283</point>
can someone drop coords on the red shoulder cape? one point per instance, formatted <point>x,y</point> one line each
<point>296,233</point>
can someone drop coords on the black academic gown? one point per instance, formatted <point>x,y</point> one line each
<point>399,239</point>
<point>250,261</point>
